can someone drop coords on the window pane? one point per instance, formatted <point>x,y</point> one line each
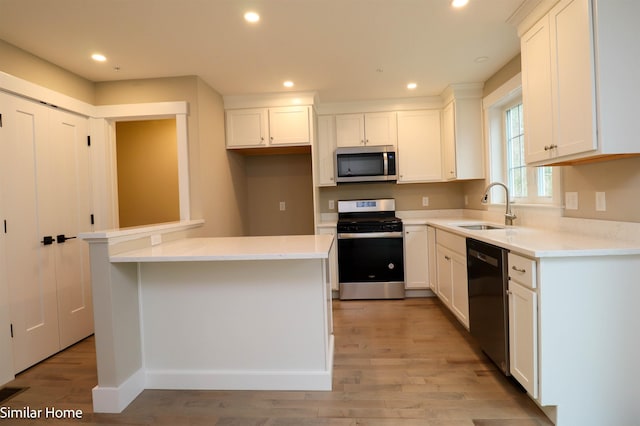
<point>544,182</point>
<point>516,169</point>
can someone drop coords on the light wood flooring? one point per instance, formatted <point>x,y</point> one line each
<point>405,362</point>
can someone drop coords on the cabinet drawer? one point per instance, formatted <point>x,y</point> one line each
<point>522,270</point>
<point>452,241</point>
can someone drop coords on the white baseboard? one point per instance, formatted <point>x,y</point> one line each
<point>116,399</point>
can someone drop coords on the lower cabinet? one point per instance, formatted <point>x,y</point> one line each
<point>451,263</point>
<point>523,322</point>
<point>416,252</point>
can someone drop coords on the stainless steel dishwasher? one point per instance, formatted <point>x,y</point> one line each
<point>488,300</point>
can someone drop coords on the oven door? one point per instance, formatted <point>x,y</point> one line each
<point>370,257</point>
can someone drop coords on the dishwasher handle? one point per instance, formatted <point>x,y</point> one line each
<point>483,257</point>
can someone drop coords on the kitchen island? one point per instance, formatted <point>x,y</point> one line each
<point>237,313</point>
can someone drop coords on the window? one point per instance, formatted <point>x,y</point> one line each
<point>526,184</point>
<point>506,136</point>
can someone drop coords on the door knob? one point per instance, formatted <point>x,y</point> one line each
<point>61,238</point>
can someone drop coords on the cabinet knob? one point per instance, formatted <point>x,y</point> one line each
<point>271,138</point>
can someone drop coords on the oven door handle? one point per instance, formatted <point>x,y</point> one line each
<point>351,236</point>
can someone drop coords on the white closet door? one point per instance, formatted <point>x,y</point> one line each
<point>30,265</point>
<point>65,209</point>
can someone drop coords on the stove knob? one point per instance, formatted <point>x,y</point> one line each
<point>391,266</point>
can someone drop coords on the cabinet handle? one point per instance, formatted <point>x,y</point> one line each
<point>47,240</point>
<point>62,238</point>
<point>447,258</point>
<point>550,147</point>
<point>271,138</point>
<point>515,268</point>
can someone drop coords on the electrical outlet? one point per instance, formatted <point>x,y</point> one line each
<point>571,200</point>
<point>601,202</point>
<point>332,205</point>
<point>283,206</point>
<point>425,201</point>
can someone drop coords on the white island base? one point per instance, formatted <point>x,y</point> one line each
<point>248,313</point>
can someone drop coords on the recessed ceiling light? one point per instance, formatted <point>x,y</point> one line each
<point>251,17</point>
<point>459,3</point>
<point>412,86</point>
<point>481,59</point>
<point>98,57</point>
<point>288,84</point>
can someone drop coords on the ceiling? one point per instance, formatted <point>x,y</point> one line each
<point>345,50</point>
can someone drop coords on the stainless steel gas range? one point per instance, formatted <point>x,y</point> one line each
<point>370,250</point>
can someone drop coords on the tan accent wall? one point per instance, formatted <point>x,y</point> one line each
<point>446,195</point>
<point>272,179</point>
<point>147,162</point>
<point>26,66</point>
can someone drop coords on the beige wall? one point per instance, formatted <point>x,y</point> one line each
<point>446,195</point>
<point>26,66</point>
<point>217,189</point>
<point>275,178</point>
<point>618,179</point>
<point>147,162</point>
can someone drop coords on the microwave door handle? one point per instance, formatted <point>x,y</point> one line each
<point>385,164</point>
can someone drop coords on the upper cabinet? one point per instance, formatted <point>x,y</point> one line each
<point>268,127</point>
<point>577,74</point>
<point>378,128</point>
<point>325,151</point>
<point>462,144</point>
<point>419,146</point>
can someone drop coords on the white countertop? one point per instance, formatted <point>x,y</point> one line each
<point>540,243</point>
<point>233,248</point>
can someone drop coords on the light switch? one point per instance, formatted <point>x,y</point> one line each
<point>283,206</point>
<point>571,200</point>
<point>601,202</point>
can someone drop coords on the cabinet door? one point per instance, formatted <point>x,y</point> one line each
<point>445,277</point>
<point>350,130</point>
<point>380,128</point>
<point>572,76</point>
<point>460,289</point>
<point>415,257</point>
<point>325,157</point>
<point>419,147</point>
<point>433,271</point>
<point>523,337</point>
<point>289,126</point>
<point>536,92</point>
<point>246,127</point>
<point>30,265</point>
<point>449,141</point>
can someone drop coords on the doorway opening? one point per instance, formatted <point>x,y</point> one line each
<point>147,172</point>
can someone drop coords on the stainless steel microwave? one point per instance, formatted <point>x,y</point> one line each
<point>366,164</point>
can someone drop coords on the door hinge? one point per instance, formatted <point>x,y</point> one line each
<point>5,226</point>
<point>92,219</point>
<point>11,329</point>
<point>88,140</point>
<point>0,120</point>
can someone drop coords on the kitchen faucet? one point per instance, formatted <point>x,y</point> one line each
<point>508,214</point>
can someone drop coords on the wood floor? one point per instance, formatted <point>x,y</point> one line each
<point>402,362</point>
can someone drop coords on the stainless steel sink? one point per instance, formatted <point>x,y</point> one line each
<point>480,227</point>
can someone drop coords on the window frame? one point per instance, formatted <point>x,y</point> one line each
<point>495,106</point>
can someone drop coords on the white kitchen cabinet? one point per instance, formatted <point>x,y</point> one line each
<point>369,129</point>
<point>45,188</point>
<point>433,269</point>
<point>523,322</point>
<point>462,139</point>
<point>416,253</point>
<point>419,146</point>
<point>268,127</point>
<point>577,76</point>
<point>325,152</point>
<point>452,274</point>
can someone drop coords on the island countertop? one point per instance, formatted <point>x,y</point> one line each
<point>232,248</point>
